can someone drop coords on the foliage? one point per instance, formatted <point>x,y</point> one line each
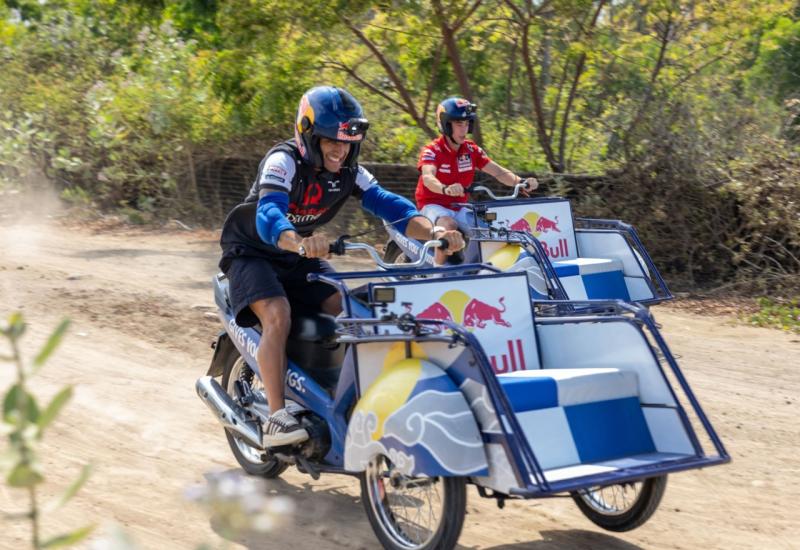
<point>677,102</point>
<point>25,422</point>
<point>780,314</point>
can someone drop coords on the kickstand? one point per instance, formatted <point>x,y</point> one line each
<point>306,466</point>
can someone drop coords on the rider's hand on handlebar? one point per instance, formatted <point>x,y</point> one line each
<point>315,246</point>
<point>454,238</point>
<point>530,185</point>
<point>454,190</point>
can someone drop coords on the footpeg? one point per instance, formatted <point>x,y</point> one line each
<point>308,468</point>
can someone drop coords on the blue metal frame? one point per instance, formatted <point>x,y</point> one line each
<point>526,466</point>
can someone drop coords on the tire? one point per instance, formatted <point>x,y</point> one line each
<point>387,496</point>
<point>394,254</point>
<point>609,508</point>
<point>248,457</point>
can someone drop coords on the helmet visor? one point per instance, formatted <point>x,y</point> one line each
<point>354,129</point>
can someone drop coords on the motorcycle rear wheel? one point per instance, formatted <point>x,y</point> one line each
<point>621,507</point>
<point>413,513</point>
<point>249,458</point>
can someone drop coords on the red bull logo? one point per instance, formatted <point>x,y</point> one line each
<point>538,225</point>
<point>459,307</point>
<point>535,224</point>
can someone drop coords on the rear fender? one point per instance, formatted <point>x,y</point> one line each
<point>416,416</point>
<point>223,348</point>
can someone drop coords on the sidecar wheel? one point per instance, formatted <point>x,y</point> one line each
<point>413,513</point>
<point>621,507</point>
<point>249,458</point>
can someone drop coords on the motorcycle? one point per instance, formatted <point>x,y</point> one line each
<point>565,257</point>
<point>427,384</point>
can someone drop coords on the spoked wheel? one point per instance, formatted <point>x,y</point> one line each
<point>413,513</point>
<point>621,507</point>
<point>249,458</point>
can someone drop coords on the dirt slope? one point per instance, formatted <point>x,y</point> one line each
<point>140,339</point>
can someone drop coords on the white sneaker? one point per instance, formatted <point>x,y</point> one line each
<point>281,428</point>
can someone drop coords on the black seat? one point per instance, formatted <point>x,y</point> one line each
<point>313,347</point>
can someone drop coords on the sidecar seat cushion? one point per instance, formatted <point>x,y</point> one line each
<point>592,278</point>
<point>538,389</point>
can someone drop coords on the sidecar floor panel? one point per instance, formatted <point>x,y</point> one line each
<point>581,470</point>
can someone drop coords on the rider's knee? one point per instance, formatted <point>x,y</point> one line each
<point>447,222</point>
<point>275,315</point>
<point>332,304</point>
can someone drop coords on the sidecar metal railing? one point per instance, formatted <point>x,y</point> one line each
<point>490,234</point>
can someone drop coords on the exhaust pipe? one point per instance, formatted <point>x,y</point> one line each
<point>228,413</point>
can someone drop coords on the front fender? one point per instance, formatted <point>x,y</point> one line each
<point>415,415</point>
<point>223,348</point>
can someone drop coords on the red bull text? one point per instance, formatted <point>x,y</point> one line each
<point>513,361</point>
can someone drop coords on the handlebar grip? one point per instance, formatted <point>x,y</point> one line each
<point>443,244</point>
<point>338,246</point>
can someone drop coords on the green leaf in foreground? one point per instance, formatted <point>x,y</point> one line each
<point>71,490</point>
<point>53,408</point>
<point>52,343</point>
<point>68,539</point>
<point>24,475</point>
<point>11,403</point>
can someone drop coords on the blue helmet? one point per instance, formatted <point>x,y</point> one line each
<point>331,113</point>
<point>455,108</point>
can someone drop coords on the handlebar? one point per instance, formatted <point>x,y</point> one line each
<point>339,247</point>
<point>517,188</point>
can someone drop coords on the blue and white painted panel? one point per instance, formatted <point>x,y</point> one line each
<point>613,344</point>
<point>569,386</point>
<point>668,431</point>
<point>612,244</point>
<point>415,415</point>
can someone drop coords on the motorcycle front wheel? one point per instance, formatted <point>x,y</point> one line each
<point>249,458</point>
<point>413,513</point>
<point>393,254</point>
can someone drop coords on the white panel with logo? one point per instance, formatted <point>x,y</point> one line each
<point>549,222</point>
<point>495,308</point>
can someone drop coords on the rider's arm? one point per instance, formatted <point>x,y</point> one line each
<point>271,223</point>
<point>382,203</point>
<point>392,207</point>
<point>430,180</point>
<point>503,175</point>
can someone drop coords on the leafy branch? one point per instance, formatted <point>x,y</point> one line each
<point>25,423</point>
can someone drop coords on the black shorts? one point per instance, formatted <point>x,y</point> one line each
<point>255,278</point>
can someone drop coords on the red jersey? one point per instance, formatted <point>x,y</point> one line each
<point>451,167</point>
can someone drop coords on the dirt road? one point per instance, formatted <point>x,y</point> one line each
<point>140,339</point>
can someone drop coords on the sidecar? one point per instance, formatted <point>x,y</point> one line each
<point>466,379</point>
<point>565,257</point>
<point>593,258</point>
